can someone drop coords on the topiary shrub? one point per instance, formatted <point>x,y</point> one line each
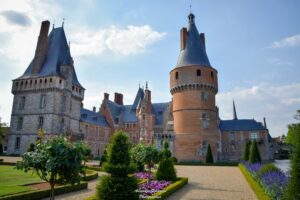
<point>166,170</point>
<point>267,168</point>
<point>118,185</point>
<point>31,147</point>
<point>246,151</point>
<point>103,158</point>
<point>209,157</point>
<point>175,159</point>
<point>254,156</point>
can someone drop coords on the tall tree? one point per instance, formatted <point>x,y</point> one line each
<point>209,156</point>
<point>246,151</point>
<point>254,156</point>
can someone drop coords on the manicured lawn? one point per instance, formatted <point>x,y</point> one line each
<point>11,180</point>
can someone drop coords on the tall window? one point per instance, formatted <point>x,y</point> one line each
<point>212,75</point>
<point>22,103</point>
<point>198,72</point>
<point>41,122</point>
<point>231,136</point>
<point>176,75</point>
<point>43,101</point>
<point>64,103</point>
<point>204,96</point>
<point>62,125</point>
<point>205,120</point>
<point>20,123</point>
<point>253,135</point>
<point>17,143</point>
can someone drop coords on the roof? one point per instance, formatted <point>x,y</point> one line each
<point>58,53</point>
<point>138,98</point>
<point>115,110</point>
<point>194,52</point>
<point>241,125</point>
<point>92,117</point>
<point>129,115</point>
<point>158,109</point>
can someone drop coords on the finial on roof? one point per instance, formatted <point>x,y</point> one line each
<point>234,112</point>
<point>190,8</point>
<point>265,123</point>
<point>62,25</point>
<point>53,25</point>
<point>146,85</point>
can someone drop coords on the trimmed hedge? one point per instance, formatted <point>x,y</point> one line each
<point>166,192</point>
<point>261,195</point>
<point>90,177</point>
<point>39,194</point>
<point>98,169</point>
<point>208,164</point>
<point>8,163</point>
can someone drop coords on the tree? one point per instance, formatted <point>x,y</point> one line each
<point>291,134</point>
<point>209,157</point>
<point>55,160</point>
<point>144,154</point>
<point>118,185</point>
<point>246,151</point>
<point>166,170</point>
<point>31,147</point>
<point>293,191</point>
<point>103,158</point>
<point>254,156</point>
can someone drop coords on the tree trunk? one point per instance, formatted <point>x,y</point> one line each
<point>52,191</point>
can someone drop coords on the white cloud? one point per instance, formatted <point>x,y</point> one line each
<point>279,62</point>
<point>124,41</point>
<point>277,103</point>
<point>292,41</point>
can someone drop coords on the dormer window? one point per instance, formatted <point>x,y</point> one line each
<point>198,72</point>
<point>176,75</point>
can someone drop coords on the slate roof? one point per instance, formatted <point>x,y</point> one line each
<point>241,125</point>
<point>194,52</point>
<point>58,53</point>
<point>92,117</point>
<point>115,110</point>
<point>129,115</point>
<point>138,98</point>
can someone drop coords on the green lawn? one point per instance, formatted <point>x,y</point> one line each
<point>11,180</point>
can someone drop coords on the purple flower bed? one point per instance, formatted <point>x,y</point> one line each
<point>151,187</point>
<point>144,175</point>
<point>273,182</point>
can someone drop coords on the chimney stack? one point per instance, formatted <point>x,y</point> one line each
<point>106,96</point>
<point>94,109</point>
<point>265,123</point>
<point>183,35</point>
<point>119,98</point>
<point>41,48</point>
<point>202,40</point>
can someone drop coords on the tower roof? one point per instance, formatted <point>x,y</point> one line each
<point>57,54</point>
<point>194,52</point>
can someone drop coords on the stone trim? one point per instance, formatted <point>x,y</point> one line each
<point>194,86</point>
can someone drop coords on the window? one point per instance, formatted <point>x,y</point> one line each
<point>60,81</point>
<point>41,122</point>
<point>198,72</point>
<point>50,80</point>
<point>205,120</point>
<point>35,82</point>
<point>176,75</point>
<point>233,148</point>
<point>64,103</point>
<point>43,101</point>
<point>231,136</point>
<point>204,96</point>
<point>253,135</point>
<point>17,143</point>
<point>20,123</point>
<point>62,125</point>
<point>22,103</point>
<point>212,75</point>
<point>86,128</point>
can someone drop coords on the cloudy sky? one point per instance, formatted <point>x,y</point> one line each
<point>254,45</point>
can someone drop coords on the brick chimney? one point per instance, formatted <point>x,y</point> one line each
<point>106,96</point>
<point>202,39</point>
<point>183,35</point>
<point>41,48</point>
<point>119,98</point>
<point>94,109</point>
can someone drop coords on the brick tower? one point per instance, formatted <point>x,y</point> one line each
<point>194,85</point>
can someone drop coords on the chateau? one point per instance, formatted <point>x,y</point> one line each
<point>49,96</point>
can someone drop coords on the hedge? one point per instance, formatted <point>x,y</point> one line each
<point>7,163</point>
<point>98,169</point>
<point>90,177</point>
<point>39,194</point>
<point>207,164</point>
<point>166,192</point>
<point>1,160</point>
<point>261,195</point>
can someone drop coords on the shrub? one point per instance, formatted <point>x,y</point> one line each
<point>103,158</point>
<point>254,153</point>
<point>175,159</point>
<point>31,148</point>
<point>246,151</point>
<point>267,168</point>
<point>166,170</point>
<point>118,185</point>
<point>209,157</point>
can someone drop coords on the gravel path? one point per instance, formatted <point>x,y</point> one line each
<point>213,183</point>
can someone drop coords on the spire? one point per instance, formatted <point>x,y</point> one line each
<point>265,123</point>
<point>146,85</point>
<point>234,112</point>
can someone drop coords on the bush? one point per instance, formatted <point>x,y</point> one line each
<point>254,153</point>
<point>246,151</point>
<point>31,148</point>
<point>175,159</point>
<point>90,175</point>
<point>166,170</point>
<point>103,158</point>
<point>209,157</point>
<point>1,148</point>
<point>267,168</point>
<point>118,185</point>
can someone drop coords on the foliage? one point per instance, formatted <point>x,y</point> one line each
<point>144,154</point>
<point>209,157</point>
<point>175,159</point>
<point>267,168</point>
<point>31,147</point>
<point>292,130</point>
<point>90,175</point>
<point>103,158</point>
<point>254,153</point>
<point>118,185</point>
<point>166,151</point>
<point>55,160</point>
<point>246,151</point>
<point>293,191</point>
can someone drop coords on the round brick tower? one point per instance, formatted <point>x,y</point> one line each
<point>194,85</point>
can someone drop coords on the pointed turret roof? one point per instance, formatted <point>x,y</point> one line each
<point>194,52</point>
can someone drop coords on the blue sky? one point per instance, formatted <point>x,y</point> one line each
<point>254,45</point>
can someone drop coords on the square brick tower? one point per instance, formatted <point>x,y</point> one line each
<point>194,85</point>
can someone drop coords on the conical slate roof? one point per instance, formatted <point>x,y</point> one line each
<point>194,52</point>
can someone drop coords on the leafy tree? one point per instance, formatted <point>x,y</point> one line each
<point>246,151</point>
<point>144,154</point>
<point>254,153</point>
<point>166,170</point>
<point>55,160</point>
<point>291,134</point>
<point>293,191</point>
<point>103,158</point>
<point>118,185</point>
<point>209,156</point>
<point>31,147</point>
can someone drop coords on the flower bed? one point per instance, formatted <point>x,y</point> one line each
<point>144,175</point>
<point>273,182</point>
<point>152,187</point>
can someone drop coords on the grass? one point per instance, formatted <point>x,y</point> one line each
<point>261,195</point>
<point>12,180</point>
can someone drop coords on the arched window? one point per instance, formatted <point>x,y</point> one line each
<point>212,75</point>
<point>176,75</point>
<point>198,72</point>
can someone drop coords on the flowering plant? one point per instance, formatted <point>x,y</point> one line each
<point>144,175</point>
<point>151,187</point>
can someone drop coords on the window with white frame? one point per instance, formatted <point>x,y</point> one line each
<point>43,101</point>
<point>204,96</point>
<point>205,120</point>
<point>253,135</point>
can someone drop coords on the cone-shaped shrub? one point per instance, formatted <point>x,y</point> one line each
<point>254,156</point>
<point>118,185</point>
<point>246,151</point>
<point>209,157</point>
<point>166,170</point>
